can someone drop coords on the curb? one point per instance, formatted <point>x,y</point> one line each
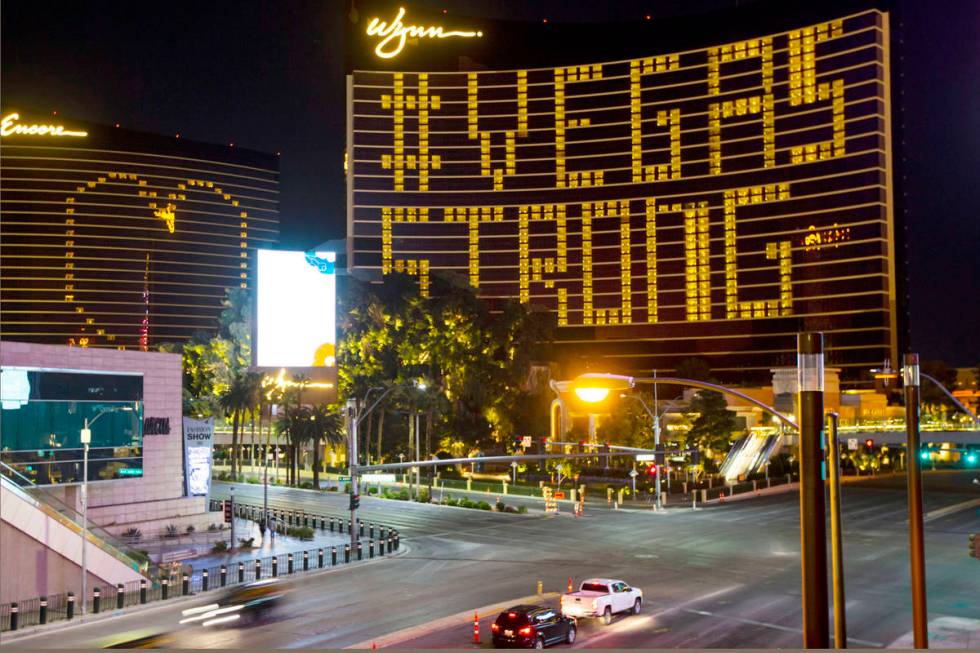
<point>464,617</point>
<point>9,637</point>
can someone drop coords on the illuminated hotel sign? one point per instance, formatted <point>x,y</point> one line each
<point>10,126</point>
<point>394,35</point>
<point>708,203</point>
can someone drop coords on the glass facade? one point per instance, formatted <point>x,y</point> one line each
<point>44,412</point>
<point>704,203</point>
<point>115,238</point>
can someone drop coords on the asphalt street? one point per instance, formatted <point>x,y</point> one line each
<point>722,576</point>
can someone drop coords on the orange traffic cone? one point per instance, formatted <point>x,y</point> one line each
<point>476,628</point>
<point>374,646</point>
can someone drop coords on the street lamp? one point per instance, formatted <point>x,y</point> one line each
<point>656,437</point>
<point>86,438</point>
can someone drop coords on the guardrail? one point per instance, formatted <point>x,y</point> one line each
<point>380,541</point>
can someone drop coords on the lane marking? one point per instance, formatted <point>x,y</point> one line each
<point>786,629</point>
<point>587,643</point>
<point>949,510</point>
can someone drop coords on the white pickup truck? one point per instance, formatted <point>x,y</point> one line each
<point>602,597</point>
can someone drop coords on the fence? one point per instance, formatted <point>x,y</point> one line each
<point>380,541</point>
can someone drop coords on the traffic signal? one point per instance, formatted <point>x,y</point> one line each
<point>355,501</point>
<point>660,455</point>
<point>924,455</point>
<point>652,469</point>
<point>227,508</point>
<point>581,446</point>
<point>869,443</point>
<point>971,457</point>
<point>974,546</point>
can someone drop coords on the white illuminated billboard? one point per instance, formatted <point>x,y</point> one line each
<point>296,321</point>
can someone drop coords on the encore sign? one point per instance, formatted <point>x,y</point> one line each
<point>394,34</point>
<point>9,126</point>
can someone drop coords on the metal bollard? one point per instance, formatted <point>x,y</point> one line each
<point>164,588</point>
<point>222,576</point>
<point>360,552</point>
<point>331,524</point>
<point>347,553</point>
<point>349,526</point>
<point>371,530</point>
<point>70,606</point>
<point>370,548</point>
<point>289,563</point>
<point>204,580</point>
<point>120,595</point>
<point>258,568</point>
<point>382,533</point>
<point>333,556</point>
<point>323,523</point>
<point>319,558</point>
<point>361,531</point>
<point>96,600</point>
<point>14,613</point>
<point>381,547</point>
<point>306,560</point>
<point>390,544</point>
<point>275,566</point>
<point>185,586</point>
<point>43,611</point>
<point>142,591</point>
<point>304,519</point>
<point>241,572</point>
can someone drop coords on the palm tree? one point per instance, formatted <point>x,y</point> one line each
<point>237,400</point>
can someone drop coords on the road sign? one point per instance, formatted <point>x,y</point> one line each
<point>344,479</point>
<point>645,457</point>
<point>852,444</point>
<point>526,441</point>
<point>634,473</point>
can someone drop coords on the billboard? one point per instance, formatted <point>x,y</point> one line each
<point>296,309</point>
<point>198,437</point>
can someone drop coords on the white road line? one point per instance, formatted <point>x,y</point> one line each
<point>653,615</point>
<point>787,629</point>
<point>949,510</point>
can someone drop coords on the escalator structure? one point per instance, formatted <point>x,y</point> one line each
<point>749,455</point>
<point>47,522</point>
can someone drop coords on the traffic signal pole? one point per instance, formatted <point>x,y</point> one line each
<point>352,423</point>
<point>836,534</point>
<point>813,528</point>
<point>910,379</point>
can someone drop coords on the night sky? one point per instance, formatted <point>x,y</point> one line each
<point>270,76</point>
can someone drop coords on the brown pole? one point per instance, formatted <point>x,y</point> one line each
<point>813,513</point>
<point>836,534</point>
<point>910,378</point>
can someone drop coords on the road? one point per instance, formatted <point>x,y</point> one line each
<point>723,576</point>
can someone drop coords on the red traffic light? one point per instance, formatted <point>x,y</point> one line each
<point>652,469</point>
<point>869,443</point>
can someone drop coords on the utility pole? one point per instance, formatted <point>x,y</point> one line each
<point>836,533</point>
<point>418,457</point>
<point>910,378</point>
<point>352,420</point>
<point>656,440</point>
<point>813,529</point>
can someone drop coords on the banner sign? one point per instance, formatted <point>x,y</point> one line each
<point>198,438</point>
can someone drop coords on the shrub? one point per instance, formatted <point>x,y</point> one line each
<point>306,485</point>
<point>302,532</point>
<point>132,533</point>
<point>483,505</point>
<point>219,547</point>
<point>522,510</point>
<point>424,496</point>
<point>171,531</point>
<point>372,490</point>
<point>332,488</point>
<point>190,528</point>
<point>501,506</point>
<point>245,542</point>
<point>253,480</point>
<point>212,528</point>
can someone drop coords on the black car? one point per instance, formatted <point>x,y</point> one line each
<point>532,626</point>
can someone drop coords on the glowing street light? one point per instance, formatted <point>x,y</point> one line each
<point>593,388</point>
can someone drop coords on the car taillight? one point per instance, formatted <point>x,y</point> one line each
<point>526,630</point>
<point>495,628</point>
